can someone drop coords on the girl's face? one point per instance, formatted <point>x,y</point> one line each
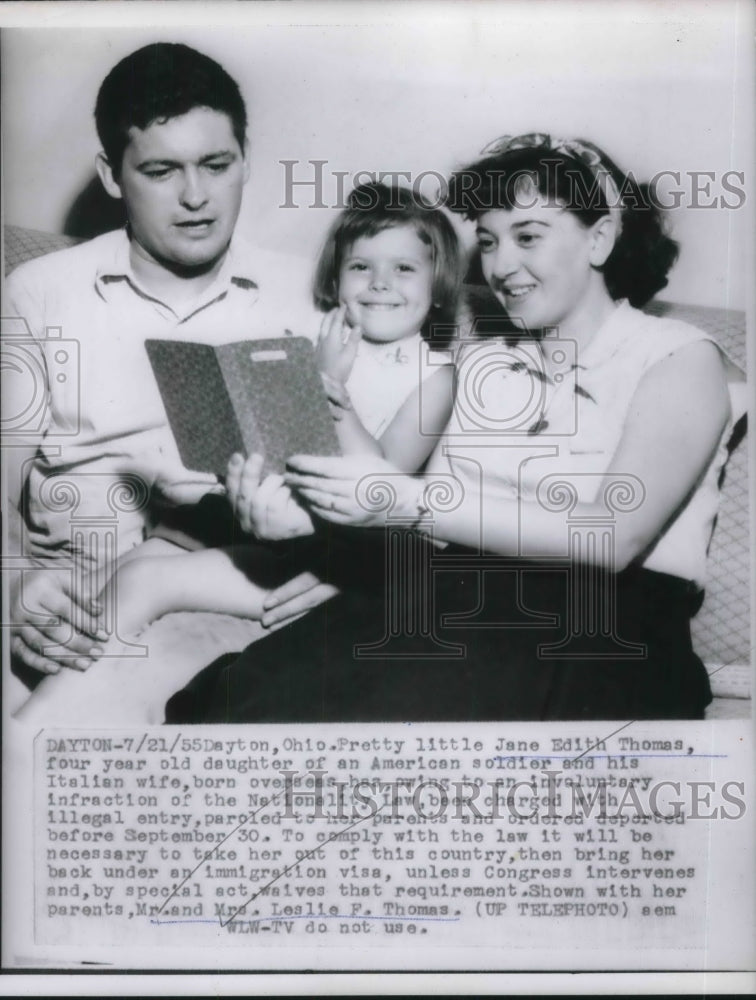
<point>539,262</point>
<point>386,283</point>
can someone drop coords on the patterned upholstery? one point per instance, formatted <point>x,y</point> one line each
<point>721,629</point>
<point>25,244</point>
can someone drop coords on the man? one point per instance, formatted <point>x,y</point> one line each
<point>102,465</point>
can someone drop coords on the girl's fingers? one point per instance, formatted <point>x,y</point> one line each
<point>352,335</point>
<point>332,324</point>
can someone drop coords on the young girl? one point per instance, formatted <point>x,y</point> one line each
<point>389,276</point>
<point>585,460</point>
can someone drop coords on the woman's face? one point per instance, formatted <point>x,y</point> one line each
<point>538,262</point>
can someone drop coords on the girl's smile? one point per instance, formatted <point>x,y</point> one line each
<point>386,282</point>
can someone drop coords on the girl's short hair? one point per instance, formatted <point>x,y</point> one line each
<point>371,209</point>
<point>580,177</point>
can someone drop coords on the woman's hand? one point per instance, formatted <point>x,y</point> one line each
<point>336,348</point>
<point>354,489</point>
<point>264,509</point>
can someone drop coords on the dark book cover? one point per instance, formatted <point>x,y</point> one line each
<point>261,396</point>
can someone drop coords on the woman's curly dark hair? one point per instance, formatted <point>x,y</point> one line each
<point>643,254</point>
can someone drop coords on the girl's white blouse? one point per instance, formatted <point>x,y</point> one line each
<point>384,375</point>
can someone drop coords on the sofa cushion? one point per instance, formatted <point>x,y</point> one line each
<point>25,244</point>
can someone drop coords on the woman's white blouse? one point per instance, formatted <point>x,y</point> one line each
<point>515,433</point>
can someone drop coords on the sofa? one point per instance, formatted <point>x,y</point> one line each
<point>721,628</point>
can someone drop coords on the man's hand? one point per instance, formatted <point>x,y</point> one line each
<point>72,634</point>
<point>294,598</point>
<point>266,509</point>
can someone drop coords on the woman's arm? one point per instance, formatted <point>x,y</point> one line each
<point>675,422</point>
<point>674,426</point>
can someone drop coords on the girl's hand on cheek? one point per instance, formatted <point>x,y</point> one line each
<point>354,489</point>
<point>337,346</point>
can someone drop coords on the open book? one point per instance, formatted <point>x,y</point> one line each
<point>261,396</point>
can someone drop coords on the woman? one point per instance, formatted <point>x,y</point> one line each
<point>578,483</point>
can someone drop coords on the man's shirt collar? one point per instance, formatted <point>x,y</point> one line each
<point>117,268</point>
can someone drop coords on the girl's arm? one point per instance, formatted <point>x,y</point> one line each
<point>412,434</point>
<point>354,438</point>
<point>335,353</point>
<point>676,419</point>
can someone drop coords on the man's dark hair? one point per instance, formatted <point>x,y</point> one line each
<point>158,82</point>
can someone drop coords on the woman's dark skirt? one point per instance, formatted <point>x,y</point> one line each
<point>450,635</point>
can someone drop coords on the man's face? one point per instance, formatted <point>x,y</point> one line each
<point>181,181</point>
